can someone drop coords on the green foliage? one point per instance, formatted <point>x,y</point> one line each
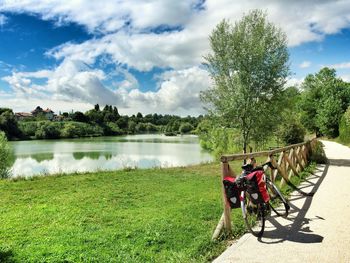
<point>112,128</point>
<point>79,116</point>
<point>173,126</point>
<point>28,128</point>
<point>131,126</point>
<point>48,130</point>
<point>73,129</point>
<point>5,156</point>
<point>317,153</point>
<point>291,132</point>
<point>216,139</point>
<point>248,65</point>
<point>324,100</point>
<point>94,123</point>
<point>8,123</point>
<point>185,127</point>
<point>344,127</point>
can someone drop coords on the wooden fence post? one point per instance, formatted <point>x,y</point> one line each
<point>226,171</point>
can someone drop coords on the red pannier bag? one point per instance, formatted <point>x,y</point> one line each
<point>257,187</point>
<point>232,192</point>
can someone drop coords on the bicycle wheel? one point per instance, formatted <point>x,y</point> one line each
<point>253,215</point>
<point>277,202</point>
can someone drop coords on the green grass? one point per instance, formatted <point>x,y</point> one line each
<point>153,215</point>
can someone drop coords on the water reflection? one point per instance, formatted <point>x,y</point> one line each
<point>105,153</point>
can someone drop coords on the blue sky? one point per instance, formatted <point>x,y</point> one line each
<point>145,55</point>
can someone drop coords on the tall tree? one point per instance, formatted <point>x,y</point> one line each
<point>249,66</point>
<point>324,99</point>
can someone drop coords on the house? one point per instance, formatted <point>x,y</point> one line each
<point>23,115</point>
<point>48,113</point>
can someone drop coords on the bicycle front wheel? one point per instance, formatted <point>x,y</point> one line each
<point>253,215</point>
<point>277,202</point>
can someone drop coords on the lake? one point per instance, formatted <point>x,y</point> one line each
<point>44,157</point>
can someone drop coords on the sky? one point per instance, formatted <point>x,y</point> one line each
<point>146,55</point>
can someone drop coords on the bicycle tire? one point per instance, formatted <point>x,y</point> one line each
<point>277,202</point>
<point>254,216</point>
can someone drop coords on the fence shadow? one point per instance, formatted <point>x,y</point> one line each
<point>339,162</point>
<point>297,230</point>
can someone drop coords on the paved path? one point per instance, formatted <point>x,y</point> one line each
<point>318,228</point>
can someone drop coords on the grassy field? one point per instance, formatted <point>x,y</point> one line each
<point>154,215</point>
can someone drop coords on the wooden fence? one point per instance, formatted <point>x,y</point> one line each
<point>289,161</point>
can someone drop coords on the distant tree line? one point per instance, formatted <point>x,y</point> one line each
<point>94,122</point>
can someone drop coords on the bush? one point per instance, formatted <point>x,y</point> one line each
<point>218,140</point>
<point>71,130</point>
<point>5,156</point>
<point>28,128</point>
<point>185,127</point>
<point>344,127</point>
<point>317,153</point>
<point>292,132</point>
<point>48,130</point>
<point>112,128</point>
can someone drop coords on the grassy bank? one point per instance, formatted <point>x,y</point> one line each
<point>154,215</point>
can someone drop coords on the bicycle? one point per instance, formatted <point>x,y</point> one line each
<point>255,209</point>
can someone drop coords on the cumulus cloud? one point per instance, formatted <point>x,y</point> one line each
<point>344,65</point>
<point>157,33</point>
<point>142,51</point>
<point>294,82</point>
<point>135,46</point>
<point>3,20</point>
<point>305,64</point>
<point>178,92</point>
<point>107,15</point>
<point>71,81</point>
<point>345,77</point>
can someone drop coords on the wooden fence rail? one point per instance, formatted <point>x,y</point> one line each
<point>289,161</point>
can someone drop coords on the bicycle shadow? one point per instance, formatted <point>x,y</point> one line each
<point>297,230</point>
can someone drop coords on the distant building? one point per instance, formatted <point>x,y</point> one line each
<point>23,115</point>
<point>48,114</point>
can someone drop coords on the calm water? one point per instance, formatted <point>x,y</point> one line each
<point>41,157</point>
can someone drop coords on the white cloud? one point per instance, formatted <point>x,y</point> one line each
<point>305,64</point>
<point>345,77</point>
<point>72,82</point>
<point>138,48</point>
<point>125,32</point>
<point>294,82</point>
<point>107,15</point>
<point>3,20</point>
<point>302,21</point>
<point>178,93</point>
<point>344,65</point>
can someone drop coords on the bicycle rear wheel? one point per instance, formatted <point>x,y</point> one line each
<point>253,215</point>
<point>277,202</point>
